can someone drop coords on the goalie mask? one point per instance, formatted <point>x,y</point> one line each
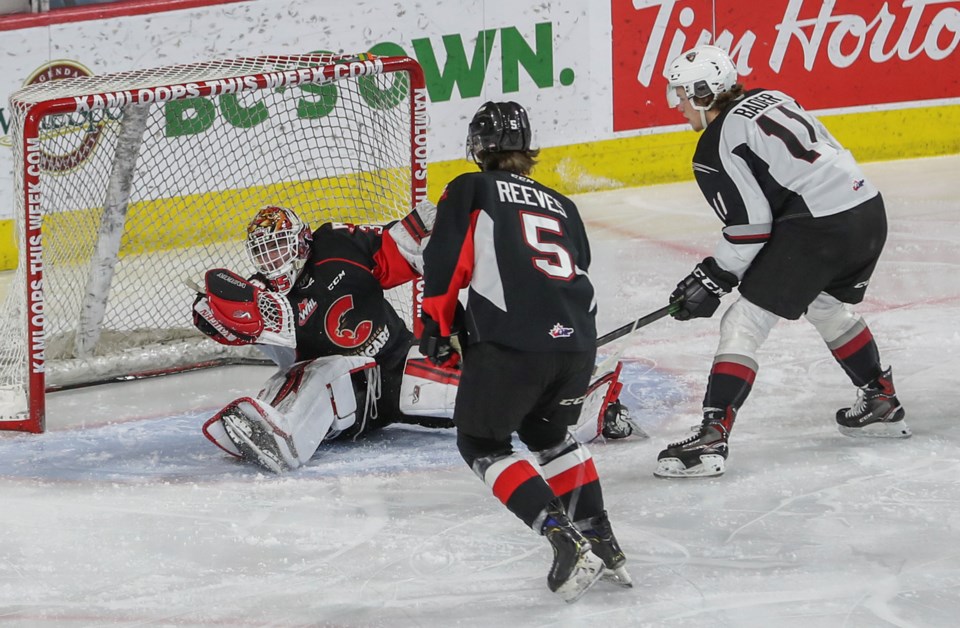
<point>498,127</point>
<point>702,72</point>
<point>278,244</point>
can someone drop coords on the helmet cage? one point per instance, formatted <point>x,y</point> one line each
<point>702,72</point>
<point>278,245</point>
<point>498,127</point>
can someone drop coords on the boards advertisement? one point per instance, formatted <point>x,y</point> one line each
<point>589,72</point>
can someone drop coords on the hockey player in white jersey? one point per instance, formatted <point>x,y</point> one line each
<point>803,230</point>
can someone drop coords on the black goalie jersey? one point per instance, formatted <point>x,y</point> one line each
<point>338,300</point>
<point>522,249</point>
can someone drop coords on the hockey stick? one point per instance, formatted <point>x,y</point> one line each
<point>629,328</point>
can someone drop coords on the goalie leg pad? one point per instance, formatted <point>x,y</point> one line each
<point>601,413</point>
<point>248,428</point>
<point>295,412</point>
<point>426,388</point>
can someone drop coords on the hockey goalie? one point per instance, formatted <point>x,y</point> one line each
<point>315,305</point>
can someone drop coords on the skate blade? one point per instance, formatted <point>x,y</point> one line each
<point>240,433</point>
<point>895,429</point>
<point>711,465</point>
<point>589,570</point>
<point>619,576</point>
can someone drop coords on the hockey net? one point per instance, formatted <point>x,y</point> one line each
<point>128,184</point>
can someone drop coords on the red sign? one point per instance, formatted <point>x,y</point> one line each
<point>842,53</point>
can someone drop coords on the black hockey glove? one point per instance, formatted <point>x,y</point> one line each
<point>442,350</point>
<point>699,293</point>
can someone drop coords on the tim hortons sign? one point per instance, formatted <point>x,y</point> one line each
<point>826,53</point>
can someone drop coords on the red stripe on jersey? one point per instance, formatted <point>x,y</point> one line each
<point>442,307</point>
<point>389,266</point>
<point>745,373</point>
<point>573,478</point>
<point>858,342</point>
<point>511,478</point>
<point>344,261</point>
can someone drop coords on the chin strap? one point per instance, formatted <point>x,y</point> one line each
<point>703,117</point>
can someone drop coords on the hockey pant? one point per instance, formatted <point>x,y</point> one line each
<point>745,327</point>
<point>430,390</point>
<point>297,410</point>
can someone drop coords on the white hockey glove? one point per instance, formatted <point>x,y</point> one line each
<point>412,233</point>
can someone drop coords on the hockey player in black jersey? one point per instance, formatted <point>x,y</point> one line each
<point>803,230</point>
<point>528,339</point>
<point>316,306</point>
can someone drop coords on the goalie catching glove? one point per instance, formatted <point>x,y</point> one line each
<point>699,293</point>
<point>235,311</point>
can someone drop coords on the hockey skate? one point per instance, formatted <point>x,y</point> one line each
<point>617,423</point>
<point>255,443</point>
<point>604,543</point>
<point>877,412</point>
<point>575,568</point>
<point>702,455</point>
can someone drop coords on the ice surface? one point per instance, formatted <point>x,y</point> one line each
<point>123,515</point>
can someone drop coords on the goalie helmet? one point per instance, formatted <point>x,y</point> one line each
<point>702,72</point>
<point>498,127</point>
<point>278,244</point>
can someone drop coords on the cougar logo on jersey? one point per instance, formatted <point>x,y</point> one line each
<point>559,331</point>
<point>333,324</point>
<point>304,310</point>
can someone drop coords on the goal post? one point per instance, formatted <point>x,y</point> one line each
<point>127,184</point>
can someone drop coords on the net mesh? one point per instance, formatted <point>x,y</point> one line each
<point>198,169</point>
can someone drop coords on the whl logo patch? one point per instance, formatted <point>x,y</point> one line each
<point>559,331</point>
<point>305,310</point>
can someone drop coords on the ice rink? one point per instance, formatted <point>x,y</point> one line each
<point>122,514</point>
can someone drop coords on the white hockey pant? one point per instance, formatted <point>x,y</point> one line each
<point>831,317</point>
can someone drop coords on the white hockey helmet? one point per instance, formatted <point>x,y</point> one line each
<point>703,72</point>
<point>278,244</point>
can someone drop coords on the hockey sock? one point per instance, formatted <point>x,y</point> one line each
<point>570,472</point>
<point>519,487</point>
<point>730,381</point>
<point>513,480</point>
<point>857,353</point>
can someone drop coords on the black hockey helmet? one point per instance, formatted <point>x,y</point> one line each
<point>498,127</point>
